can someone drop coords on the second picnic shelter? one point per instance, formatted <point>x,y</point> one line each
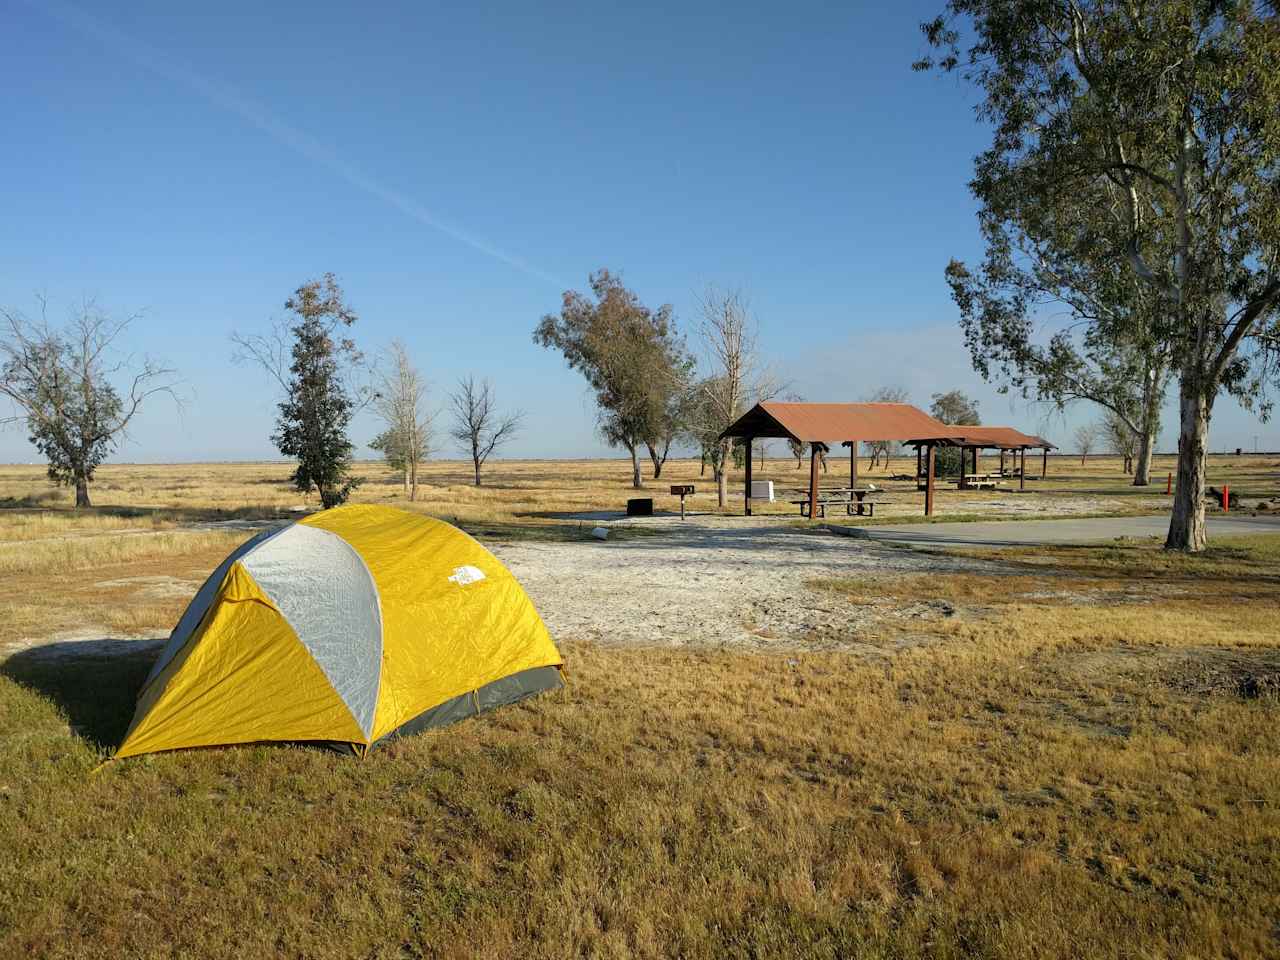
<point>819,424</point>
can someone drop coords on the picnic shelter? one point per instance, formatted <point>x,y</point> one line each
<point>821,424</point>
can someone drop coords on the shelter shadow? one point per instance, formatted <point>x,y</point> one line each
<point>95,682</point>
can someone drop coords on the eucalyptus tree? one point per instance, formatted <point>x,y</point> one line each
<point>634,360</point>
<point>1164,117</point>
<point>1055,315</point>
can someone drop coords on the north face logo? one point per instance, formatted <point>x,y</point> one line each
<point>466,574</point>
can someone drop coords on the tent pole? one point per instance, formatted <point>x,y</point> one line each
<point>747,497</point>
<point>928,483</point>
<point>813,480</point>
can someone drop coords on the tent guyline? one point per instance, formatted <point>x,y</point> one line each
<point>821,424</point>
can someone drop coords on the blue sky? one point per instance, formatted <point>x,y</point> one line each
<point>459,168</point>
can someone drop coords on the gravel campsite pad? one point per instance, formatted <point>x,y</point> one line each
<point>709,581</point>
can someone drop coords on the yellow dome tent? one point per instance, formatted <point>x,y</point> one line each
<point>351,626</point>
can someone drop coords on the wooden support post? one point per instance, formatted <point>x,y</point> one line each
<point>813,481</point>
<point>853,463</point>
<point>975,459</point>
<point>919,464</point>
<point>1022,473</point>
<point>1044,464</point>
<point>928,482</point>
<point>1002,461</point>
<point>747,498</point>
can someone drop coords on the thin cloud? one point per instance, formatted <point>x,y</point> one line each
<point>302,143</point>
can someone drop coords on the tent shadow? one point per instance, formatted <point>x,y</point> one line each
<point>94,682</point>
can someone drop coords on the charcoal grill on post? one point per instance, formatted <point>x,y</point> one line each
<point>681,490</point>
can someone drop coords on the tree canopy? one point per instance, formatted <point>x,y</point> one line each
<point>317,408</point>
<point>1143,135</point>
<point>633,358</point>
<point>60,382</point>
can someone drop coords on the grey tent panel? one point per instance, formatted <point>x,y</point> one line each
<point>499,693</point>
<point>199,605</point>
<point>321,585</point>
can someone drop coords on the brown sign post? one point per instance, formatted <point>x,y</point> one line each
<point>681,490</point>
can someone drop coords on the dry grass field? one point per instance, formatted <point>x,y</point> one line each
<point>1075,753</point>
<point>534,491</point>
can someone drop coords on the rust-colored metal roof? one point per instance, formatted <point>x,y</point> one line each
<point>826,422</point>
<point>1006,438</point>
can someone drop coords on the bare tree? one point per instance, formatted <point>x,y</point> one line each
<point>881,450</point>
<point>400,402</point>
<point>1121,437</point>
<point>1087,436</point>
<point>797,450</point>
<point>737,379</point>
<point>478,426</point>
<point>60,385</point>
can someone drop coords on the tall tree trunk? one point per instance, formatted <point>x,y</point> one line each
<point>413,481</point>
<point>475,458</point>
<point>636,481</point>
<point>1187,526</point>
<point>655,460</point>
<point>82,492</point>
<point>702,471</point>
<point>722,488</point>
<point>1147,435</point>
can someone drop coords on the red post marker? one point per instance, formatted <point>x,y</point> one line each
<point>1226,499</point>
<point>1168,486</point>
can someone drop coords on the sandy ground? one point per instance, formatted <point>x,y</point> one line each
<point>712,582</point>
<point>707,581</point>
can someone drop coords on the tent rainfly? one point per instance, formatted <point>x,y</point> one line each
<point>350,627</point>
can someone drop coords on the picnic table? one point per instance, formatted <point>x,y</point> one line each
<point>978,481</point>
<point>854,500</point>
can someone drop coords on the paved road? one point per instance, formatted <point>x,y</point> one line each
<point>1031,533</point>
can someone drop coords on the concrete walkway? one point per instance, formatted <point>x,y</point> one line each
<point>1032,533</point>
